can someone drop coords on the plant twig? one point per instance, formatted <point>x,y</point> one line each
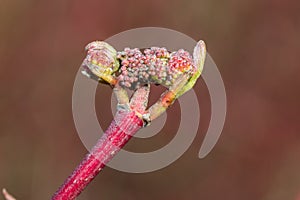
<point>125,125</point>
<point>7,196</point>
<point>177,71</point>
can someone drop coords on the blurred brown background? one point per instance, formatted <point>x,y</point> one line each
<point>255,44</point>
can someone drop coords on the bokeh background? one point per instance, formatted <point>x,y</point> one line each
<point>255,44</point>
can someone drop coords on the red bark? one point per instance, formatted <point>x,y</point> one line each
<point>122,128</point>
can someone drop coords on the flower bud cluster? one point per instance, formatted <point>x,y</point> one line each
<point>153,65</point>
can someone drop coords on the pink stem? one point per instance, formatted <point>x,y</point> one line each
<point>122,128</point>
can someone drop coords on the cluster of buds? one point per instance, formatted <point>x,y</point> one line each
<point>153,65</point>
<point>134,68</point>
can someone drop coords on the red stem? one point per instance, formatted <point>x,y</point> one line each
<point>122,128</point>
